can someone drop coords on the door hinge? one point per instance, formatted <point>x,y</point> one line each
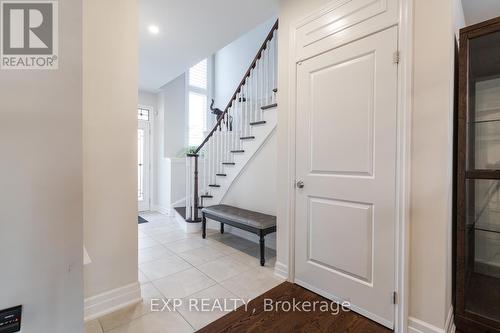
<point>394,297</point>
<point>396,57</point>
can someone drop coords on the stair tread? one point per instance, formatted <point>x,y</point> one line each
<point>270,106</point>
<point>258,122</point>
<point>247,137</point>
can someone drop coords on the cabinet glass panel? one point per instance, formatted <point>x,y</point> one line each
<point>483,248</point>
<point>483,130</point>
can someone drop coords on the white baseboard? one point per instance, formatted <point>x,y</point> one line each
<point>111,301</point>
<point>450,322</point>
<point>187,227</point>
<point>419,326</point>
<point>281,270</point>
<point>179,203</point>
<point>162,209</point>
<point>192,228</point>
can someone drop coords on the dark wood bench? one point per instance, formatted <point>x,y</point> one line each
<point>254,222</point>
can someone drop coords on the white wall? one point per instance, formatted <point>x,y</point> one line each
<point>172,103</point>
<point>458,17</point>
<point>110,143</point>
<point>41,187</point>
<point>148,99</point>
<point>477,11</point>
<point>232,62</point>
<point>255,188</point>
<point>432,142</point>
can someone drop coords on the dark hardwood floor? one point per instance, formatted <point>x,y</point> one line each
<point>255,319</point>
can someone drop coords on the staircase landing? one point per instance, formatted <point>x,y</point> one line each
<point>181,211</point>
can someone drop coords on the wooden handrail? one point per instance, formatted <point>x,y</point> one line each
<point>238,89</point>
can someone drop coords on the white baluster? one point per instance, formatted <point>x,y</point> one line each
<point>246,110</point>
<point>236,125</point>
<point>219,156</point>
<point>191,201</point>
<point>240,119</point>
<point>235,120</point>
<point>256,77</point>
<point>214,161</point>
<point>191,188</point>
<point>212,155</point>
<point>216,169</point>
<point>229,137</point>
<point>229,134</point>
<point>267,67</point>
<point>249,107</point>
<point>271,71</point>
<point>260,83</point>
<point>228,147</point>
<point>224,148</point>
<point>205,168</point>
<point>262,78</point>
<point>224,141</point>
<point>275,84</point>
<point>265,61</point>
<point>188,187</point>
<point>251,97</point>
<point>216,154</point>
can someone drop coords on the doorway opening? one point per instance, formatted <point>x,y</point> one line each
<point>143,159</point>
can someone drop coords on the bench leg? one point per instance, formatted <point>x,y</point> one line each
<point>222,228</point>
<point>204,226</point>
<point>262,249</point>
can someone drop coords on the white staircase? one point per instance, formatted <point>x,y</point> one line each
<point>248,120</point>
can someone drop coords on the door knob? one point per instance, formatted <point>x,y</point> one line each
<point>300,184</point>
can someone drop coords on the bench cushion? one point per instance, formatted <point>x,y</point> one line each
<point>243,216</point>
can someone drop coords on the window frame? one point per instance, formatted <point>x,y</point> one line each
<point>207,92</point>
<point>139,113</point>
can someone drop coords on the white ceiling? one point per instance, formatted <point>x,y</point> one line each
<point>476,11</point>
<point>190,30</point>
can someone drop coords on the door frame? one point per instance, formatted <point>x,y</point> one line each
<point>403,159</point>
<point>151,134</point>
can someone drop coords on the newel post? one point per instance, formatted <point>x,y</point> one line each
<point>195,189</point>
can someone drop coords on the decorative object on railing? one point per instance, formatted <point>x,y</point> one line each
<point>220,116</point>
<point>216,111</point>
<point>256,91</point>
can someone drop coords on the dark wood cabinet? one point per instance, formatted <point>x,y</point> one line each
<point>477,232</point>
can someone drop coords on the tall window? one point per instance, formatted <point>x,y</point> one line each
<point>198,78</point>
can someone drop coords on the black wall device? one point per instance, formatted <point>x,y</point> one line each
<point>10,319</point>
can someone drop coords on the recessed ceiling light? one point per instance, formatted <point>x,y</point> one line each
<point>154,29</point>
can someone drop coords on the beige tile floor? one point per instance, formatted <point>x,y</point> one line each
<point>173,264</point>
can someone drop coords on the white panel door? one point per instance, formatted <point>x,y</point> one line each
<point>346,159</point>
<point>143,166</point>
